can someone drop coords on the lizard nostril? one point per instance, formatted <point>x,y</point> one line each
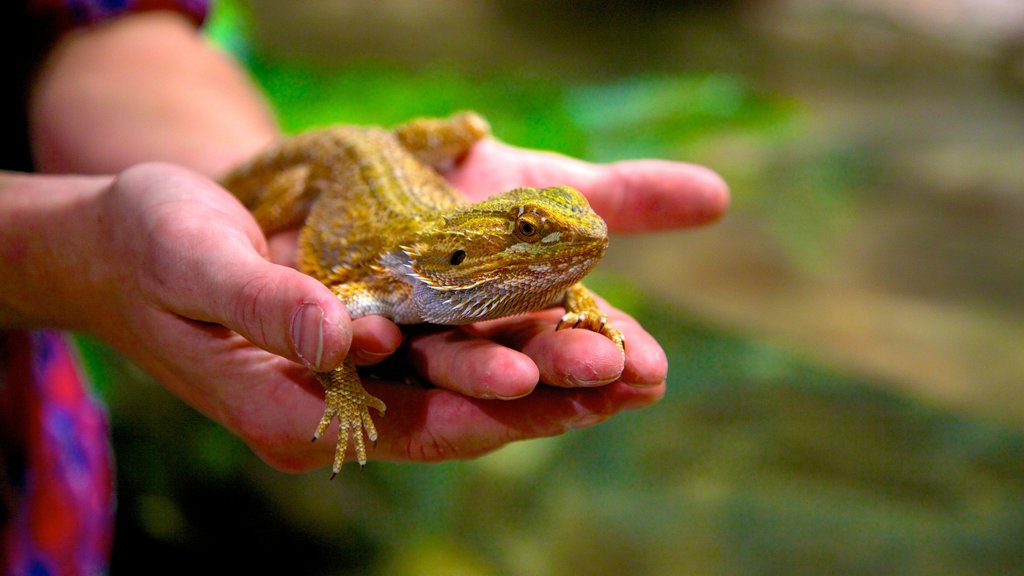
<point>457,257</point>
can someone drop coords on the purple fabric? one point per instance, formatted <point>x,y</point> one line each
<point>63,523</point>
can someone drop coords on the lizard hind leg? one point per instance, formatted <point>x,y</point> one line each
<point>440,141</point>
<point>347,400</point>
<point>275,188</point>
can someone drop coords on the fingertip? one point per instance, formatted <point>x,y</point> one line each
<point>474,366</point>
<point>374,338</point>
<point>575,358</point>
<point>494,372</point>
<point>646,363</point>
<point>513,376</point>
<point>711,194</point>
<point>319,330</point>
<point>281,247</point>
<point>289,314</point>
<point>660,195</point>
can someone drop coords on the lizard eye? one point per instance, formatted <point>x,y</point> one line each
<point>457,257</point>
<point>526,228</point>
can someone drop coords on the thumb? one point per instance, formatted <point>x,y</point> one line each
<point>282,311</point>
<point>275,307</point>
<point>202,259</point>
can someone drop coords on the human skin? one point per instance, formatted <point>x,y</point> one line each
<point>168,268</point>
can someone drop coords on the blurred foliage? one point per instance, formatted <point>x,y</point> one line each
<point>525,111</point>
<point>658,116</point>
<point>756,462</point>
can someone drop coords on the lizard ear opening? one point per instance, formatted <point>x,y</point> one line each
<point>457,257</point>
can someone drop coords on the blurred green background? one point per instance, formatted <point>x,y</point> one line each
<point>846,388</point>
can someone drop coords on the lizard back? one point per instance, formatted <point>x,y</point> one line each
<point>360,191</point>
<point>375,195</point>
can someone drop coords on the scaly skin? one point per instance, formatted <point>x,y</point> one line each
<point>389,236</point>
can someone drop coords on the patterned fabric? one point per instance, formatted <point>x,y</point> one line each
<point>56,467</point>
<point>63,521</point>
<point>63,15</point>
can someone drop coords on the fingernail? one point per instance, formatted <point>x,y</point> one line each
<point>307,331</point>
<point>591,383</point>
<point>587,420</point>
<point>588,375</point>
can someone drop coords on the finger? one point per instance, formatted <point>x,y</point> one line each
<point>274,307</point>
<point>421,424</point>
<point>576,357</point>
<point>319,330</point>
<point>374,338</point>
<point>435,424</point>
<point>567,358</point>
<point>632,195</point>
<point>431,425</point>
<point>644,195</point>
<point>457,361</point>
<point>283,247</point>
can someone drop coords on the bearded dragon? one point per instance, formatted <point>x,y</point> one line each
<point>389,236</point>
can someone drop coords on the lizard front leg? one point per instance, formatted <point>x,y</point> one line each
<point>349,402</point>
<point>582,311</point>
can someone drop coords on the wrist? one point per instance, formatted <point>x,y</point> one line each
<point>48,224</point>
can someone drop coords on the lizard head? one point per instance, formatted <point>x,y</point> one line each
<point>514,252</point>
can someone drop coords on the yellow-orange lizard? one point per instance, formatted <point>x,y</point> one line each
<point>385,232</point>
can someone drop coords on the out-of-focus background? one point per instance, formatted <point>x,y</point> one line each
<point>846,393</point>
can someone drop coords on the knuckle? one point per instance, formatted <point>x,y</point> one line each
<point>432,447</point>
<point>429,447</point>
<point>254,293</point>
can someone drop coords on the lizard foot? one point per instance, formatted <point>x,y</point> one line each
<point>582,311</point>
<point>595,321</point>
<point>349,402</point>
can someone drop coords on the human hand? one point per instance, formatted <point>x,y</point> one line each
<point>172,272</point>
<point>184,291</point>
